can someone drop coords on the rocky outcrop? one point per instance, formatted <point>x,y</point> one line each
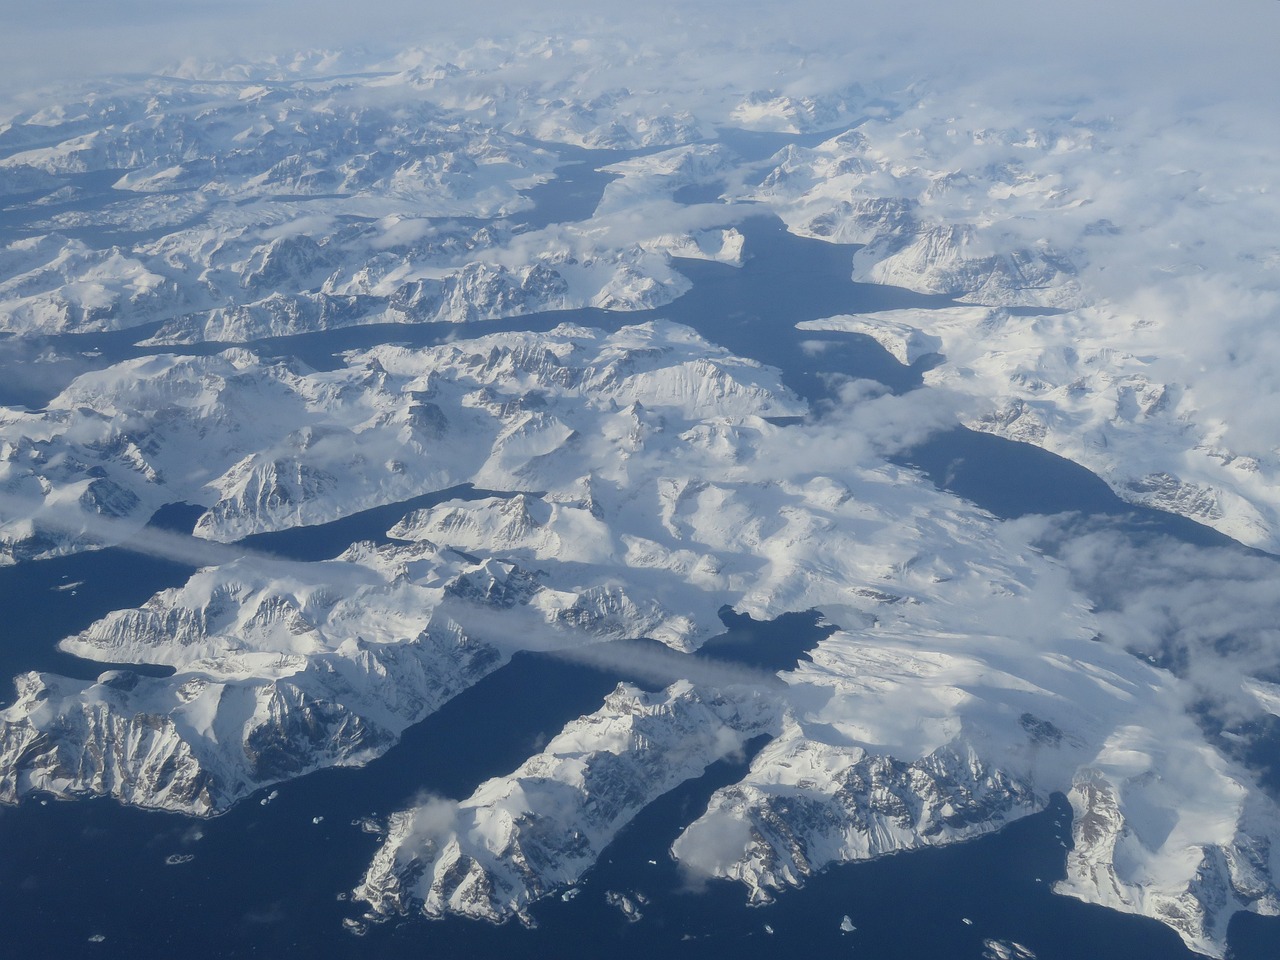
<point>281,668</point>
<point>537,830</point>
<point>846,804</point>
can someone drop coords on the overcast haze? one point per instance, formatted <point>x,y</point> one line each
<point>1151,48</point>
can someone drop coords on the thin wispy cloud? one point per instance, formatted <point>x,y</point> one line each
<point>154,542</point>
<point>520,629</point>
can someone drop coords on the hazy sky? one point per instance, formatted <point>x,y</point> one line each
<point>1182,44</point>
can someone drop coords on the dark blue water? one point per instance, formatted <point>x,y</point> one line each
<point>47,600</point>
<point>1010,479</point>
<point>264,881</point>
<point>573,195</point>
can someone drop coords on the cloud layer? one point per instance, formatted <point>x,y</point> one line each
<point>1151,50</point>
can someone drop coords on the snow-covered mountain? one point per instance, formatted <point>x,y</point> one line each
<point>967,694</point>
<point>1103,288</point>
<point>537,831</point>
<point>967,685</point>
<point>232,207</point>
<point>269,444</point>
<point>233,211</point>
<point>1131,349</point>
<point>281,668</point>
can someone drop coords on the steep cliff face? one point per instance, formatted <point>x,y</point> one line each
<point>840,804</point>
<point>1136,852</point>
<point>967,681</point>
<point>222,728</point>
<point>537,830</point>
<point>852,774</point>
<point>957,260</point>
<point>281,668</point>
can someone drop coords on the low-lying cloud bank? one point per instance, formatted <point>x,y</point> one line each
<point>1164,51</point>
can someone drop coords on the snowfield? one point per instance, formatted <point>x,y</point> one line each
<point>1105,285</point>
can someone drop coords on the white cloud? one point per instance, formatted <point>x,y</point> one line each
<point>149,541</point>
<point>1212,615</point>
<point>1151,50</point>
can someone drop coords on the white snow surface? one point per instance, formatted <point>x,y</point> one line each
<point>965,686</point>
<point>282,668</point>
<point>1116,285</point>
<point>269,444</point>
<point>1124,289</point>
<point>536,831</point>
<point>250,208</point>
